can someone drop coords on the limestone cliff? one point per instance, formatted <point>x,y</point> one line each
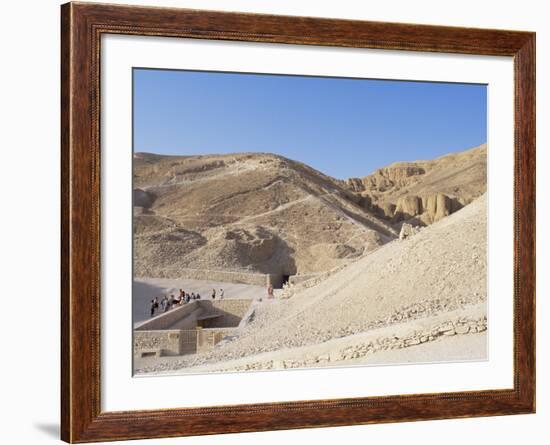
<point>424,191</point>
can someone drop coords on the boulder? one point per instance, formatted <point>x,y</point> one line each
<point>408,230</point>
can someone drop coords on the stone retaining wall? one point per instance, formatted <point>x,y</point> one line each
<point>297,279</point>
<point>208,338</point>
<point>154,337</point>
<point>257,279</point>
<point>167,319</point>
<point>165,342</point>
<point>178,342</point>
<point>296,283</point>
<point>232,306</point>
<point>461,326</point>
<point>233,312</point>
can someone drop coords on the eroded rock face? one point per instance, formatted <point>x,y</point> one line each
<point>408,206</point>
<point>387,210</point>
<point>250,246</point>
<point>423,192</point>
<point>356,184</point>
<point>385,178</point>
<point>437,206</point>
<point>428,209</point>
<point>390,177</point>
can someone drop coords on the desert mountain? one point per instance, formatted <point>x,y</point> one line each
<point>424,191</point>
<point>251,211</point>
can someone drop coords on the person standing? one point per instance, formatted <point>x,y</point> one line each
<point>171,302</point>
<point>154,305</point>
<point>222,293</point>
<point>213,294</point>
<point>164,303</point>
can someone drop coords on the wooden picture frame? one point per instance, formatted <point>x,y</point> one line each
<point>82,25</point>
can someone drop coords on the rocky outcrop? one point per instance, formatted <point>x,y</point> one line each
<point>393,176</point>
<point>385,178</point>
<point>407,207</point>
<point>423,209</point>
<point>408,230</point>
<point>386,210</point>
<point>355,184</point>
<point>423,191</point>
<point>437,206</point>
<point>312,222</point>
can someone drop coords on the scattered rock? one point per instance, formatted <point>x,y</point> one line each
<point>408,230</point>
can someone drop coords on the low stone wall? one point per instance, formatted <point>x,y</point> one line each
<point>307,281</point>
<point>233,311</point>
<point>159,337</point>
<point>462,326</point>
<point>178,342</point>
<point>165,342</point>
<point>257,279</point>
<point>297,279</point>
<point>168,319</point>
<point>182,317</point>
<point>233,306</point>
<point>208,338</point>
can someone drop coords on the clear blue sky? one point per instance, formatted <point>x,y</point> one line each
<point>343,127</point>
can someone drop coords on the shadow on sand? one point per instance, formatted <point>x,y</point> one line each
<point>140,309</point>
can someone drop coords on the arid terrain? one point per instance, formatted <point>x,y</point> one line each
<point>424,191</point>
<point>256,212</point>
<point>266,213</point>
<point>367,295</point>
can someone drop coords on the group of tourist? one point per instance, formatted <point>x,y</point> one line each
<point>170,302</point>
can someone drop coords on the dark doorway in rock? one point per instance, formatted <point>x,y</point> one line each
<point>285,279</point>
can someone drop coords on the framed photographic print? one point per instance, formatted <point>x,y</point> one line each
<point>276,222</point>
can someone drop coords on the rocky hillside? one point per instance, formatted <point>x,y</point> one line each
<point>423,192</point>
<point>434,281</point>
<point>251,211</point>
